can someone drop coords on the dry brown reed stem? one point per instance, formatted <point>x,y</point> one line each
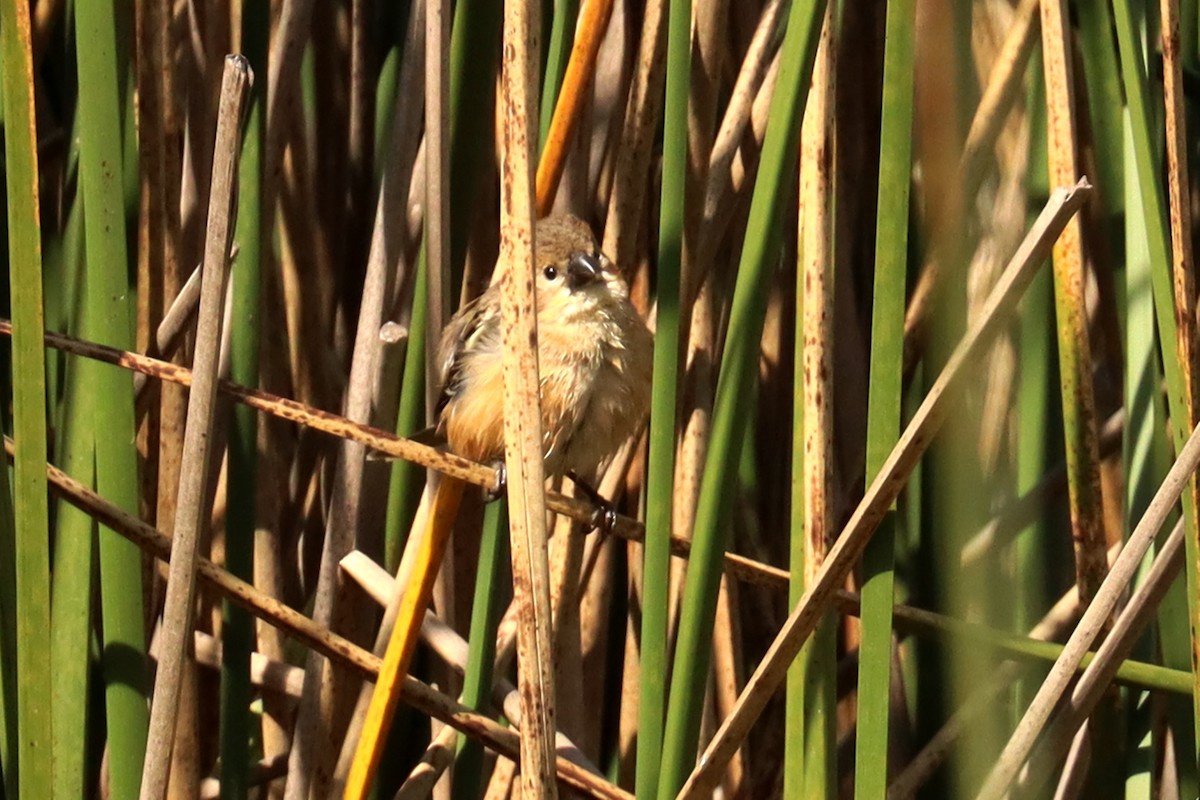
<point>589,34</point>
<point>192,509</point>
<point>642,115</point>
<point>436,759</point>
<point>814,288</point>
<point>313,635</point>
<point>1084,490</point>
<point>1182,270</point>
<point>264,771</point>
<point>1074,776</point>
<point>842,557</point>
<point>696,318</point>
<point>274,676</point>
<point>437,181</point>
<point>751,84</point>
<point>522,400</point>
<point>1021,743</point>
<point>155,255</point>
<point>1117,646</point>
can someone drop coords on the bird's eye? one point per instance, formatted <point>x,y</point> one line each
<point>550,272</point>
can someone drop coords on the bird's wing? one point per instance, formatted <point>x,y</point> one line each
<point>474,329</point>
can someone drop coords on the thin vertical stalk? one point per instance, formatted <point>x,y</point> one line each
<point>522,402</point>
<point>10,744</point>
<point>474,51</point>
<point>237,631</point>
<point>811,768</point>
<point>74,553</point>
<point>1103,80</point>
<point>192,508</point>
<point>107,319</point>
<point>485,618</point>
<point>437,182</point>
<point>885,395</point>
<point>403,492</point>
<point>32,544</point>
<point>1146,453</point>
<point>1034,391</point>
<point>738,366</point>
<point>1074,350</point>
<point>660,480</point>
<point>1185,302</point>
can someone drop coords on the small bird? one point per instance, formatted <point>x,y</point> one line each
<point>595,357</point>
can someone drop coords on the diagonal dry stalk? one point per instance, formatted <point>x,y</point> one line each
<point>1023,739</point>
<point>191,507</point>
<point>1117,646</point>
<point>884,489</point>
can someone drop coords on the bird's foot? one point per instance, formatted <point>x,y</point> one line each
<point>500,489</point>
<point>604,518</point>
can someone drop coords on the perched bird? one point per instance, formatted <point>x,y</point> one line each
<point>594,359</point>
<point>594,362</point>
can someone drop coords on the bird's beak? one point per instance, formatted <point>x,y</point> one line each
<point>582,269</point>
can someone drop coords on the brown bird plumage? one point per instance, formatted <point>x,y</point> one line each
<point>594,357</point>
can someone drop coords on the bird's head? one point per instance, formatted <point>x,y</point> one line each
<point>572,274</point>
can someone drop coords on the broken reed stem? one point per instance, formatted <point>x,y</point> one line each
<point>192,509</point>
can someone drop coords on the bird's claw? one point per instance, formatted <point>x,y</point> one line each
<point>500,488</point>
<point>604,518</point>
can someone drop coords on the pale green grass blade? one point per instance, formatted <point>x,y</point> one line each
<point>885,397</point>
<point>32,546</point>
<point>108,320</point>
<point>660,481</point>
<point>486,611</point>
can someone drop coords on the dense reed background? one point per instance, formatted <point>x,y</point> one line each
<point>875,409</point>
